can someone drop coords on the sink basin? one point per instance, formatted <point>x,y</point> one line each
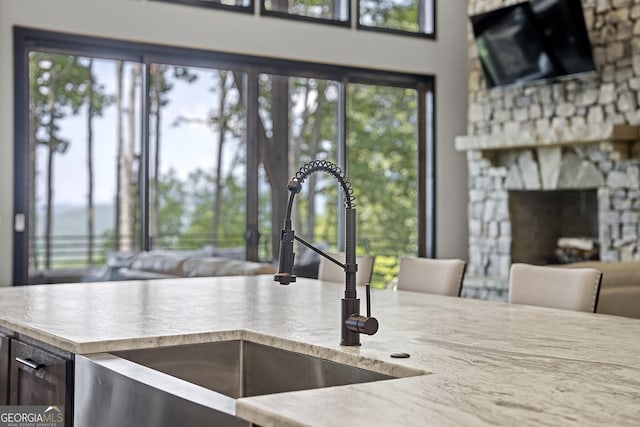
<point>243,368</point>
<point>199,384</point>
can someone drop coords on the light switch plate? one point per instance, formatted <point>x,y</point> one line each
<point>19,224</point>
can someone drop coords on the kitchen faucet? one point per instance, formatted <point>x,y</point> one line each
<point>352,322</point>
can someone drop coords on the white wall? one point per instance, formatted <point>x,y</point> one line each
<point>163,23</point>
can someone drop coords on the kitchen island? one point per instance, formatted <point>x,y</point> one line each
<point>485,363</point>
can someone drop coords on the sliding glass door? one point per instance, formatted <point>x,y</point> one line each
<point>125,147</point>
<point>83,158</point>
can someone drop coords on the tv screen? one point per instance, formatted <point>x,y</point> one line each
<point>533,40</point>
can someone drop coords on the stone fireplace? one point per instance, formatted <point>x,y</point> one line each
<point>562,153</point>
<point>523,197</point>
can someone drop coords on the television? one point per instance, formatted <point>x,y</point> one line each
<point>533,40</point>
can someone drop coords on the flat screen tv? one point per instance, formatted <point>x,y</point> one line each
<point>533,40</point>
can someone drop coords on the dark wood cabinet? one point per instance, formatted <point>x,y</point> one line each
<point>4,370</point>
<point>40,377</point>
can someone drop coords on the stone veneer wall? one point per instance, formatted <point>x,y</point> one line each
<point>611,96</point>
<point>567,110</point>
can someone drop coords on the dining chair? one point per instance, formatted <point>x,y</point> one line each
<point>332,272</point>
<point>431,275</point>
<point>547,286</point>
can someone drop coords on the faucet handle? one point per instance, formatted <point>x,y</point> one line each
<point>362,324</point>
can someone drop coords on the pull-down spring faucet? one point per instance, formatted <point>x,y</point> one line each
<point>352,322</point>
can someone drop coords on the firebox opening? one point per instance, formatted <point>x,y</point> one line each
<point>540,218</point>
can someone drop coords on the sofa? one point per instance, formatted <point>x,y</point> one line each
<point>620,286</point>
<point>162,264</point>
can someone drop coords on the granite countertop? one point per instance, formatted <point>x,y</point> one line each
<point>490,363</point>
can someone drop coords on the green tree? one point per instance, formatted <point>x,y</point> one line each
<point>314,136</point>
<point>199,218</point>
<point>382,135</point>
<point>59,87</point>
<point>201,192</point>
<point>162,82</point>
<point>119,150</point>
<point>96,101</point>
<point>393,14</point>
<point>226,121</point>
<point>172,208</point>
<point>314,8</point>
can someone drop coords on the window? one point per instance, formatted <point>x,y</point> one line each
<point>398,16</point>
<point>139,147</point>
<point>234,5</point>
<point>323,11</point>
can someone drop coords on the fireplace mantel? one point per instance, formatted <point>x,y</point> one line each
<point>621,139</point>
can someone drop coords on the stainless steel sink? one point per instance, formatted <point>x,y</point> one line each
<point>195,384</point>
<point>244,368</point>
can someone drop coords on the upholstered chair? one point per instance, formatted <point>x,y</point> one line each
<point>570,289</point>
<point>434,276</point>
<point>331,272</point>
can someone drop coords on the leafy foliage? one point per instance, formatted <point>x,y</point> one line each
<point>58,87</point>
<point>382,135</point>
<point>392,14</point>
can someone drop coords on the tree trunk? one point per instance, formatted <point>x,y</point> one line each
<point>222,129</point>
<point>295,153</point>
<point>120,152</point>
<point>33,226</point>
<point>275,158</point>
<point>90,208</point>
<point>157,77</point>
<point>51,97</point>
<point>273,155</point>
<point>314,142</point>
<point>126,172</point>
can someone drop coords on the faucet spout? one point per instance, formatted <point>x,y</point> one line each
<point>352,322</point>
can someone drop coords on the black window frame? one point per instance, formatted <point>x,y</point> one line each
<point>27,39</point>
